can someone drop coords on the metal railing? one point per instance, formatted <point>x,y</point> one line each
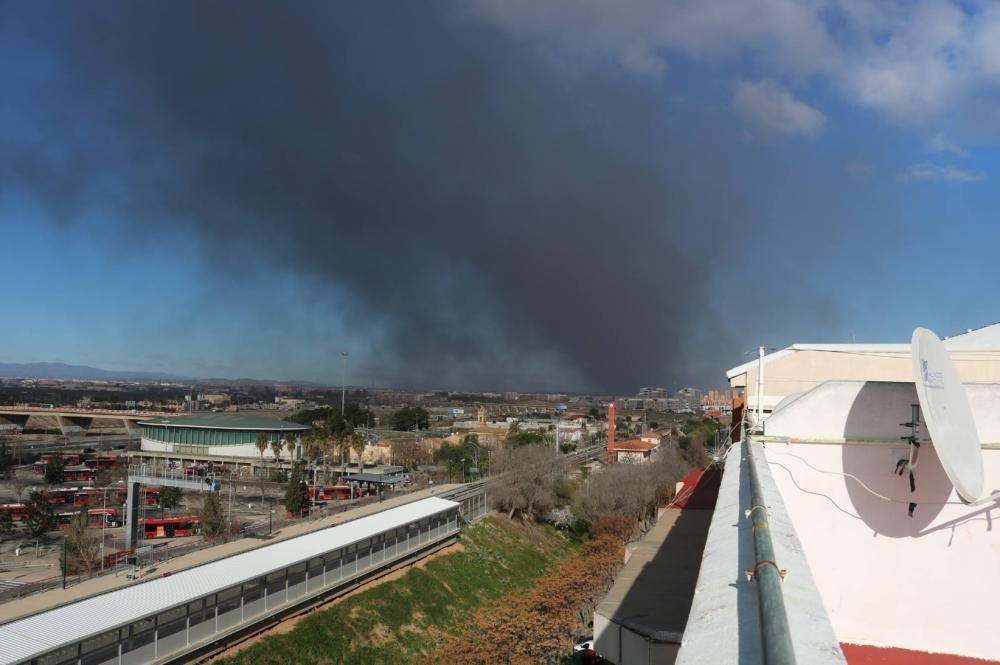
<point>776,638</point>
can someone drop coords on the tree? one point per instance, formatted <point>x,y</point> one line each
<point>6,524</point>
<point>410,418</point>
<point>276,446</point>
<point>344,439</point>
<point>452,456</point>
<point>290,444</point>
<point>261,445</point>
<point>620,527</point>
<point>54,470</point>
<point>408,454</point>
<point>296,492</point>
<point>328,444</point>
<point>170,498</point>
<point>530,475</point>
<point>39,515</point>
<point>6,463</point>
<point>82,545</point>
<point>525,438</point>
<point>358,443</point>
<point>354,413</point>
<point>213,521</point>
<point>20,483</point>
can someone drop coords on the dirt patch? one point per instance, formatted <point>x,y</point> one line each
<point>286,625</point>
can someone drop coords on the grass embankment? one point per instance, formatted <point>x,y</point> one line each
<point>407,619</point>
<point>538,626</point>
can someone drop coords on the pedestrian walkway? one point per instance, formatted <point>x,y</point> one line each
<point>643,616</point>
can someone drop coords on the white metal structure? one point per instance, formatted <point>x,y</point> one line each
<point>164,617</point>
<point>947,414</point>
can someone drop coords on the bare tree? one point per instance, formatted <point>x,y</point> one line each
<point>20,483</point>
<point>358,444</point>
<point>82,545</point>
<point>213,521</point>
<point>527,488</point>
<point>409,454</point>
<point>632,491</point>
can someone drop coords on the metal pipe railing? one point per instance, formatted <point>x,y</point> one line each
<point>776,638</point>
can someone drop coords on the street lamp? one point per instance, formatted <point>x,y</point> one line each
<point>343,382</point>
<point>476,447</point>
<point>463,469</point>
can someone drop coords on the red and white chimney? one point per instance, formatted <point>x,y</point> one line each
<point>611,433</point>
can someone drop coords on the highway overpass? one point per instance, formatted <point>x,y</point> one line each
<point>72,420</point>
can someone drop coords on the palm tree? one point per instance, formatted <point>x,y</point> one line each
<point>344,440</point>
<point>290,444</point>
<point>276,446</point>
<point>327,444</point>
<point>261,445</point>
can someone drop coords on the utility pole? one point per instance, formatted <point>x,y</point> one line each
<point>760,382</point>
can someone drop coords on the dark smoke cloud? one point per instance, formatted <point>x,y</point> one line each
<point>491,215</point>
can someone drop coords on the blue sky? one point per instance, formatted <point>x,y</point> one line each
<point>496,194</point>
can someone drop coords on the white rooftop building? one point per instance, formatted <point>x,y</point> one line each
<point>801,367</point>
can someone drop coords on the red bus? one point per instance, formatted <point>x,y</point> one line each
<point>330,493</point>
<point>102,462</point>
<point>17,511</point>
<point>102,517</point>
<point>151,496</point>
<point>61,494</point>
<point>79,474</point>
<point>69,459</point>
<point>96,518</point>
<point>100,496</point>
<point>171,527</point>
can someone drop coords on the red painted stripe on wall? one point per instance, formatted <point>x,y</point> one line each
<point>858,654</point>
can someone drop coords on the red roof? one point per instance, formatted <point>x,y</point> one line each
<point>634,444</point>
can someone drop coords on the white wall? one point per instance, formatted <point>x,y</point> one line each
<point>870,411</point>
<point>247,450</point>
<point>928,582</point>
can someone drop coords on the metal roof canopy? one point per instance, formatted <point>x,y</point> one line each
<point>377,478</point>
<point>39,633</point>
<point>233,421</point>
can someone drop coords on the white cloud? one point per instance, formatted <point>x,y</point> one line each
<point>912,61</point>
<point>788,34</point>
<point>934,172</point>
<point>771,109</point>
<point>939,143</point>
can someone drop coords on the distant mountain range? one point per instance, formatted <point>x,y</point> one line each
<point>64,371</point>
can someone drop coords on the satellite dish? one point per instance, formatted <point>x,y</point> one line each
<point>947,414</point>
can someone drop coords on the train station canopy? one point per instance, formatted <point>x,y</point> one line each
<point>37,634</point>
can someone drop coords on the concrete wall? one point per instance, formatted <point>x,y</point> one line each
<point>622,646</point>
<point>928,582</point>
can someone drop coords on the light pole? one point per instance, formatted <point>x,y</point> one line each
<point>463,469</point>
<point>476,447</point>
<point>343,382</point>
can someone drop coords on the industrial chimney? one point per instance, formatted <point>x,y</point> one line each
<point>611,433</point>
